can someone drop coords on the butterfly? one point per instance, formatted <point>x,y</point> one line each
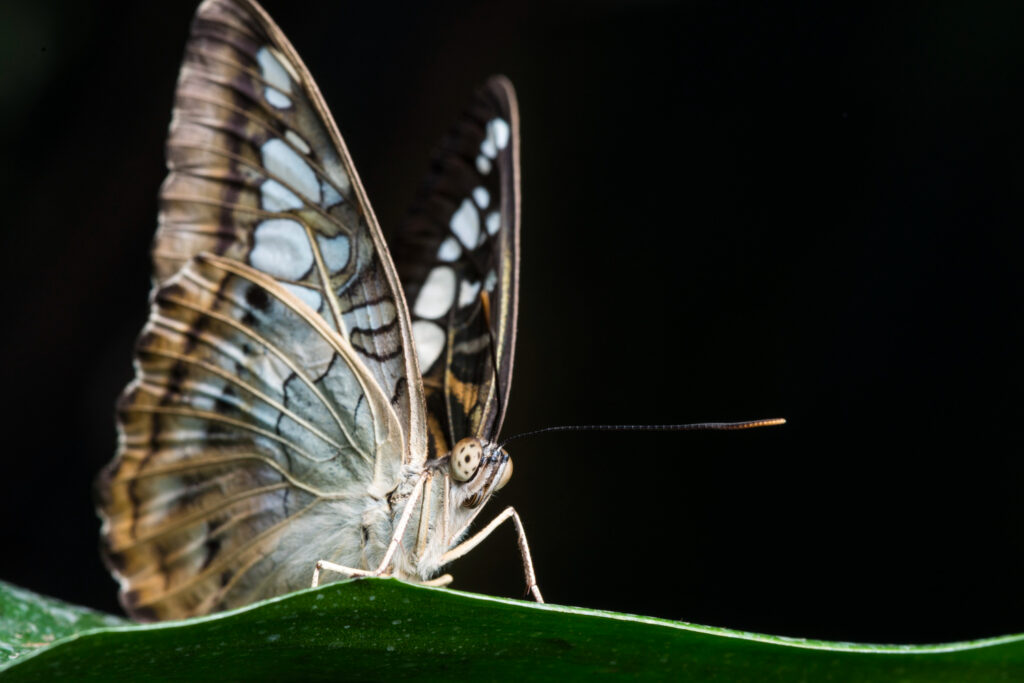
<point>302,409</point>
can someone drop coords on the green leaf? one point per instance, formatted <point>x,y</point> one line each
<point>29,621</point>
<point>382,629</point>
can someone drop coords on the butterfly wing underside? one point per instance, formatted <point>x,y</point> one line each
<point>249,438</point>
<point>276,384</point>
<point>259,173</point>
<point>458,258</point>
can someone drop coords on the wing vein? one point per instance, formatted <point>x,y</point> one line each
<point>241,160</point>
<point>245,386</point>
<point>217,418</point>
<point>195,464</point>
<point>199,515</point>
<point>221,561</point>
<point>287,360</point>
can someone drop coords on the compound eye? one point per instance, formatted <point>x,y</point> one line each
<point>466,458</point>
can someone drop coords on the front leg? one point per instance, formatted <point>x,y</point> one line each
<point>396,539</point>
<point>524,548</point>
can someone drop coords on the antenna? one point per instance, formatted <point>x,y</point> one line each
<point>693,427</point>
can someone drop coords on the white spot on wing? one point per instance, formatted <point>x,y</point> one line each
<point>436,294</point>
<point>281,249</point>
<point>335,251</point>
<point>277,98</point>
<point>296,140</point>
<point>493,222</point>
<point>429,338</point>
<point>276,197</point>
<point>273,71</point>
<point>383,314</point>
<point>468,292</point>
<point>490,281</point>
<point>285,163</point>
<point>285,63</point>
<point>465,224</point>
<point>331,196</point>
<point>449,250</point>
<point>483,164</point>
<point>337,174</point>
<point>501,132</point>
<point>482,197</point>
<point>310,297</point>
<point>203,401</point>
<point>488,147</point>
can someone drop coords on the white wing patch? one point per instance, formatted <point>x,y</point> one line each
<point>498,133</point>
<point>296,139</point>
<point>277,98</point>
<point>493,222</point>
<point>468,292</point>
<point>276,197</point>
<point>487,147</point>
<point>437,293</point>
<point>481,196</point>
<point>336,251</point>
<point>382,315</point>
<point>331,196</point>
<point>284,162</point>
<point>273,70</point>
<point>465,223</point>
<point>277,77</point>
<point>429,339</point>
<point>281,249</point>
<point>310,297</point>
<point>449,250</point>
<point>498,128</point>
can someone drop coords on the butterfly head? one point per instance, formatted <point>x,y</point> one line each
<point>478,468</point>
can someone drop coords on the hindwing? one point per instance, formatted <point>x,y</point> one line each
<point>250,439</point>
<point>458,258</point>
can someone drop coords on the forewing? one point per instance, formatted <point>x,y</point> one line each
<point>250,441</point>
<point>259,173</point>
<point>458,258</point>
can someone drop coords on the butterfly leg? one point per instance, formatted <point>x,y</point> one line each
<point>396,539</point>
<point>439,582</point>
<point>524,548</point>
<point>350,572</point>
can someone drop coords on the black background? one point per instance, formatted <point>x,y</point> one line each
<point>730,211</point>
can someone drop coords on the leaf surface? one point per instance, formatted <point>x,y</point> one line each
<point>383,629</point>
